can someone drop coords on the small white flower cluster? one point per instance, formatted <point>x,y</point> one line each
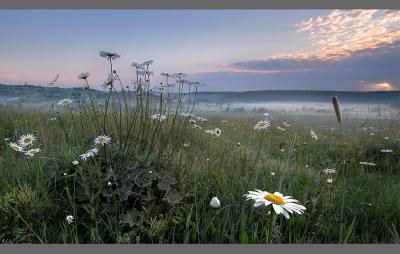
<point>100,140</point>
<point>216,132</point>
<point>65,102</point>
<point>367,163</point>
<point>264,124</point>
<point>23,143</point>
<point>313,135</point>
<point>159,117</point>
<point>386,151</point>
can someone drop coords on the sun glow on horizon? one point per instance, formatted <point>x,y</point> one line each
<point>384,86</point>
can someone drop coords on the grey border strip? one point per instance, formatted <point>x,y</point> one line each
<point>200,4</point>
<point>200,249</point>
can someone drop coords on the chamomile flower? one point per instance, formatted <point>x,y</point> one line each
<point>217,132</point>
<point>32,152</point>
<point>367,163</point>
<point>102,140</point>
<point>262,125</point>
<point>280,128</point>
<point>16,147</point>
<point>89,154</point>
<point>211,132</point>
<point>284,205</point>
<point>329,171</point>
<point>26,140</point>
<point>65,102</point>
<point>70,219</point>
<point>313,135</point>
<point>159,117</point>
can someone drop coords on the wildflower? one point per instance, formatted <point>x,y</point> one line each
<point>102,140</point>
<point>65,174</point>
<point>32,152</point>
<point>65,102</point>
<point>16,147</point>
<point>26,140</point>
<point>109,55</point>
<point>286,124</point>
<point>367,163</point>
<point>90,153</point>
<point>386,138</point>
<point>280,128</point>
<point>266,114</point>
<point>186,145</point>
<point>313,135</point>
<point>109,183</point>
<point>197,126</point>
<point>282,150</point>
<point>159,117</point>
<point>372,134</point>
<point>83,75</point>
<point>215,203</point>
<point>224,121</point>
<point>238,144</point>
<point>329,180</point>
<point>70,219</point>
<point>136,65</point>
<point>217,132</point>
<point>53,119</point>
<point>329,171</point>
<point>210,132</point>
<point>281,204</point>
<point>75,162</point>
<point>192,121</point>
<point>307,166</point>
<point>262,125</point>
<point>272,173</point>
<point>386,150</point>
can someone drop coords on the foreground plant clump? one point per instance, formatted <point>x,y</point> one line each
<point>139,164</point>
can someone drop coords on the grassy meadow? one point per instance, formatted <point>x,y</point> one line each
<point>151,180</point>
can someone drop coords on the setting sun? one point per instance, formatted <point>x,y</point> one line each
<point>384,86</point>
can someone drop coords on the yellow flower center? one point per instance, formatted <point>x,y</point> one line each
<point>274,199</point>
<point>27,140</point>
<point>102,139</point>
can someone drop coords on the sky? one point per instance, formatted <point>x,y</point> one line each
<point>227,50</point>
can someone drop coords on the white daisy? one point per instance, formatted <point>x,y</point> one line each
<point>367,163</point>
<point>272,173</point>
<point>313,135</point>
<point>262,125</point>
<point>281,204</point>
<point>16,147</point>
<point>70,219</point>
<point>266,114</point>
<point>159,117</point>
<point>329,171</point>
<point>211,132</point>
<point>32,152</point>
<point>102,140</point>
<point>217,132</point>
<point>329,180</point>
<point>26,140</point>
<point>90,153</point>
<point>65,102</point>
<point>215,203</point>
<point>280,128</point>
<point>75,162</point>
